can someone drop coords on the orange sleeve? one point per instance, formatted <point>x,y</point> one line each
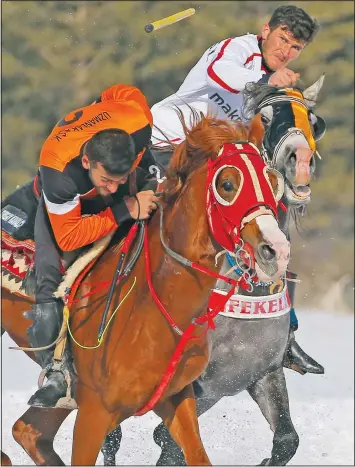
<point>72,231</point>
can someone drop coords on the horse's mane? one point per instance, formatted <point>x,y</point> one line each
<point>255,93</point>
<point>203,140</point>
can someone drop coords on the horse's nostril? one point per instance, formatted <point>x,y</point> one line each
<point>267,252</point>
<point>292,158</point>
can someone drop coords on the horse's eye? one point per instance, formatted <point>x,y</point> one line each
<point>227,186</point>
<point>265,119</point>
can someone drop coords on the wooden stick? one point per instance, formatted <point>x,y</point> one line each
<point>162,23</point>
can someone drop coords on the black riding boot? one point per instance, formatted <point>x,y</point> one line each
<point>295,358</point>
<point>48,319</point>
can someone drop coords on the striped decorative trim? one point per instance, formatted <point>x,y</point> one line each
<point>254,177</point>
<point>60,209</point>
<point>274,99</point>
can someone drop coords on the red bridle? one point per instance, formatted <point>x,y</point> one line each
<point>255,193</point>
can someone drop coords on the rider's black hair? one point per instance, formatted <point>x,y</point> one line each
<point>296,20</point>
<point>114,149</point>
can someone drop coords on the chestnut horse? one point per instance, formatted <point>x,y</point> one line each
<point>118,378</point>
<point>254,364</point>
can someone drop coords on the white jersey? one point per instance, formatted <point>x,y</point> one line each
<point>212,86</point>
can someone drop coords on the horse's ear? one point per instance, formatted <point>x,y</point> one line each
<point>256,131</point>
<point>311,93</point>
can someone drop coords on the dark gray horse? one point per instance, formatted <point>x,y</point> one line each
<point>249,354</point>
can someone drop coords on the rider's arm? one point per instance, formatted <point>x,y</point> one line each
<point>70,228</point>
<point>227,70</point>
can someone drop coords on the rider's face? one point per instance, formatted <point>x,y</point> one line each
<point>279,47</point>
<point>104,182</point>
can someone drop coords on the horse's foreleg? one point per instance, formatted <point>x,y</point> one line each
<point>171,454</point>
<point>92,424</point>
<point>35,431</point>
<point>180,417</point>
<point>111,446</point>
<point>270,393</point>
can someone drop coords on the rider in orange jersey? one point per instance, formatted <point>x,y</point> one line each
<point>83,183</point>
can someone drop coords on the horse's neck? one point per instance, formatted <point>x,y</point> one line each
<point>188,229</point>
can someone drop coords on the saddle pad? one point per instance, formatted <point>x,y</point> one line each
<point>17,257</point>
<point>83,263</point>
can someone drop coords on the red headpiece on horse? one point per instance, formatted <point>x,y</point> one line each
<point>226,219</point>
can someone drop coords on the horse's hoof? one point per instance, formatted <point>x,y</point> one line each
<point>265,462</point>
<point>171,459</point>
<point>110,460</point>
<point>164,461</point>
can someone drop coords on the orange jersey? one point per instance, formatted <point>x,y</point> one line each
<point>65,182</point>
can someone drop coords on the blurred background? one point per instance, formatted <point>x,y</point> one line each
<point>58,56</point>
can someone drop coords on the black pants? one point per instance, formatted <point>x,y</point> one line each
<point>24,199</point>
<point>47,257</point>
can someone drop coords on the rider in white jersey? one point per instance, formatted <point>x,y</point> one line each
<point>214,86</point>
<point>214,83</point>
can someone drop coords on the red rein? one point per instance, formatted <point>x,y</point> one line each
<point>186,335</point>
<point>219,302</point>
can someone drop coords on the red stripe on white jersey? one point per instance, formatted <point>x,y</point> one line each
<point>249,59</point>
<point>262,66</point>
<point>175,140</point>
<point>214,76</point>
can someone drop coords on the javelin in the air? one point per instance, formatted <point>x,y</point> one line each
<point>162,23</point>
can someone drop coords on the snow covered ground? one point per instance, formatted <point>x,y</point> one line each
<point>234,431</point>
